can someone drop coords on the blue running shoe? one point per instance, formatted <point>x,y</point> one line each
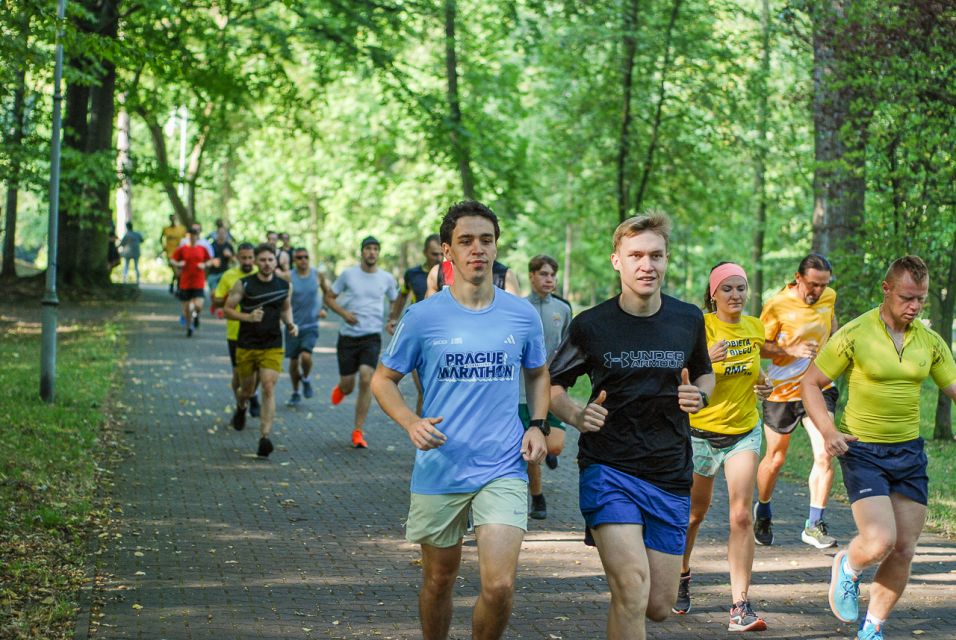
<point>870,631</point>
<point>844,591</point>
<point>307,390</point>
<point>182,319</point>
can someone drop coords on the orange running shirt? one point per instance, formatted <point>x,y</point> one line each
<point>789,321</point>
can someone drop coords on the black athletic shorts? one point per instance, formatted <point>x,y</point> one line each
<point>232,351</point>
<point>783,417</point>
<point>352,352</point>
<point>879,469</point>
<point>191,294</point>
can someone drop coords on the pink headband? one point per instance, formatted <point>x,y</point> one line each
<point>723,272</point>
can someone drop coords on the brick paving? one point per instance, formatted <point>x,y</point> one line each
<point>209,542</point>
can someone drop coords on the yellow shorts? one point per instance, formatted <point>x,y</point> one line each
<point>250,360</point>
<point>440,520</point>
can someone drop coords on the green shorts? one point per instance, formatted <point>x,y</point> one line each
<point>440,520</point>
<point>526,418</point>
<point>708,458</point>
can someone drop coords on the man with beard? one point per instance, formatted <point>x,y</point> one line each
<point>358,295</point>
<point>266,300</point>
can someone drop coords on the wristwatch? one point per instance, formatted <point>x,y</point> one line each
<point>704,400</point>
<point>542,425</point>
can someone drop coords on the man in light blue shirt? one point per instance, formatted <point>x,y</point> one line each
<point>469,344</point>
<point>358,295</point>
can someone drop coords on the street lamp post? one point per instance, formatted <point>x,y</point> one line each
<point>50,301</point>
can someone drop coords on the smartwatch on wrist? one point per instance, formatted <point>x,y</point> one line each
<point>542,425</point>
<point>704,400</point>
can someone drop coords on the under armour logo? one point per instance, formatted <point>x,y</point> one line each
<point>510,339</point>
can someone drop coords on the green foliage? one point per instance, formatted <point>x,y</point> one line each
<point>48,456</point>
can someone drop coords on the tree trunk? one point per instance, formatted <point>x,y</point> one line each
<point>88,143</point>
<point>760,162</point>
<point>659,110</point>
<point>13,183</point>
<point>124,193</point>
<point>627,78</point>
<point>566,276</point>
<point>459,137</point>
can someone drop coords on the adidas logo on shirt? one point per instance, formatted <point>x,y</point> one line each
<point>510,339</point>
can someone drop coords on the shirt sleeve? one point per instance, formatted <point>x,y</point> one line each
<point>570,360</point>
<point>404,352</point>
<point>406,286</point>
<point>943,368</point>
<point>534,354</point>
<point>392,291</point>
<point>339,285</point>
<point>837,354</point>
<point>177,254</point>
<point>698,364</point>
<point>770,324</point>
<point>222,289</point>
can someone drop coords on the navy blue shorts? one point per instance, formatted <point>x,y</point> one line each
<point>609,496</point>
<point>879,469</point>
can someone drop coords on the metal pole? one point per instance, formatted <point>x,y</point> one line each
<point>50,301</point>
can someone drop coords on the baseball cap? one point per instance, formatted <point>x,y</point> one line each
<point>370,240</point>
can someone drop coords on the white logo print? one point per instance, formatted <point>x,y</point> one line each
<point>510,339</point>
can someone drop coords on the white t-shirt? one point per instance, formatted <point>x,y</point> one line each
<point>363,294</point>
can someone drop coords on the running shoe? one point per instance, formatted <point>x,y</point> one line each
<point>539,508</point>
<point>195,319</point>
<point>307,390</point>
<point>182,319</point>
<point>763,529</point>
<point>870,631</point>
<point>239,419</point>
<point>189,332</point>
<point>816,535</point>
<point>254,407</point>
<point>682,605</point>
<point>337,395</point>
<point>294,401</point>
<point>844,590</point>
<point>551,461</point>
<point>358,439</point>
<point>743,618</point>
<point>265,447</point>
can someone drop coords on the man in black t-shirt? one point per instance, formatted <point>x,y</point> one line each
<point>641,351</point>
<point>265,300</point>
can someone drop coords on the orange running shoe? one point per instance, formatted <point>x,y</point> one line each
<point>358,439</point>
<point>337,395</point>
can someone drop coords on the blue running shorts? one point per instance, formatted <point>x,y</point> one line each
<point>609,496</point>
<point>881,468</point>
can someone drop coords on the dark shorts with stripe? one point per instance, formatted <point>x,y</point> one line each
<point>783,417</point>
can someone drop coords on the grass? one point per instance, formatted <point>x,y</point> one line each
<point>942,464</point>
<point>49,473</point>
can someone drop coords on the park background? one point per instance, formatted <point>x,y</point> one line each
<point>765,129</point>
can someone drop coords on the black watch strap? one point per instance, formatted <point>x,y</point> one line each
<point>541,424</point>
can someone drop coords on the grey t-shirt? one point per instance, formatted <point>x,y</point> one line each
<point>363,294</point>
<point>555,319</point>
<point>131,242</point>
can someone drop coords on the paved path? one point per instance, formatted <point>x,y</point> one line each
<point>210,542</point>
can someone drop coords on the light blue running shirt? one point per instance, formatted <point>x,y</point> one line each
<point>469,363</point>
<point>305,299</point>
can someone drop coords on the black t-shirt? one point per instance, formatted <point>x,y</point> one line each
<point>416,281</point>
<point>270,297</point>
<point>638,362</point>
<point>219,251</point>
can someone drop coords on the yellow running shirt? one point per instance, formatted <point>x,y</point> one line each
<point>788,321</point>
<point>172,237</point>
<point>733,407</point>
<point>229,278</point>
<point>884,386</point>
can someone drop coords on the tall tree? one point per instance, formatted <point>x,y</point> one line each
<point>14,144</point>
<point>457,132</point>
<point>627,80</point>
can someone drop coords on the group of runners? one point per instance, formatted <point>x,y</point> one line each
<point>674,397</point>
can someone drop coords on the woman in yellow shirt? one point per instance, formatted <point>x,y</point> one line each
<point>727,432</point>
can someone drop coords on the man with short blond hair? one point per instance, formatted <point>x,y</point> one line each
<point>646,355</point>
<point>886,354</point>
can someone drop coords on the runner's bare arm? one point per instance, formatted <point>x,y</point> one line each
<point>329,297</point>
<point>421,431</point>
<point>233,300</point>
<point>286,315</point>
<point>812,385</point>
<point>432,281</point>
<point>538,392</point>
<point>584,419</point>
